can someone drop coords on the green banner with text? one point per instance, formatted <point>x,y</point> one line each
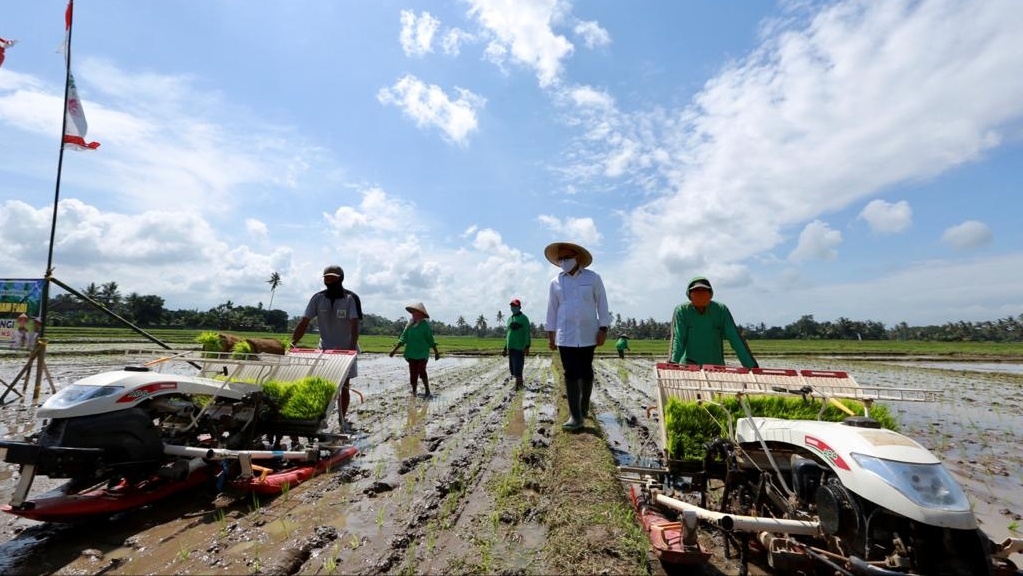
<point>21,303</point>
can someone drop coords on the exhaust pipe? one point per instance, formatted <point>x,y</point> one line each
<point>734,523</point>
<point>224,454</point>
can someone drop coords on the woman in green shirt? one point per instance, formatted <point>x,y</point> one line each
<point>700,327</point>
<point>417,338</point>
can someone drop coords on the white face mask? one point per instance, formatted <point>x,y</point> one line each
<point>567,265</point>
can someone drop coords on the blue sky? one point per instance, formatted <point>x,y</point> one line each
<point>841,159</point>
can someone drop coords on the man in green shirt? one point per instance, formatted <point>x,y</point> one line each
<point>516,341</point>
<point>622,345</point>
<point>700,327</point>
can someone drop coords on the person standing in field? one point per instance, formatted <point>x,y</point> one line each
<point>337,312</point>
<point>417,338</point>
<point>700,327</point>
<point>576,323</point>
<point>517,339</point>
<point>622,345</point>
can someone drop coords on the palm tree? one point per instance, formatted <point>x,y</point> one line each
<point>274,282</point>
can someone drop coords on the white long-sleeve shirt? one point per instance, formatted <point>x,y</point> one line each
<point>577,308</point>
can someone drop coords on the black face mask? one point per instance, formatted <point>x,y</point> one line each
<point>334,290</point>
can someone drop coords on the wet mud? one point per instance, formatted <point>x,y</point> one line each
<point>422,496</point>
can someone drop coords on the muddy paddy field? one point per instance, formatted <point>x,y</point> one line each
<point>468,481</point>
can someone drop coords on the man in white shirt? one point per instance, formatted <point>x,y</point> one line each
<point>577,322</point>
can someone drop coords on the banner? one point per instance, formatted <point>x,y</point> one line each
<point>20,307</point>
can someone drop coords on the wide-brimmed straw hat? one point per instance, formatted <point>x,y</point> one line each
<point>418,307</point>
<point>582,256</point>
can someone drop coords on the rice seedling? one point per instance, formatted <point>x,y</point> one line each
<point>330,562</point>
<point>689,425</point>
<point>222,522</point>
<point>255,504</point>
<point>354,542</point>
<point>303,399</point>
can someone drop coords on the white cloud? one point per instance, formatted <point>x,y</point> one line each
<point>817,241</point>
<point>164,143</point>
<point>177,255</point>
<point>589,97</point>
<point>887,88</point>
<point>429,106</point>
<point>523,31</point>
<point>969,235</point>
<point>377,214</point>
<point>453,39</point>
<point>887,218</point>
<point>580,230</point>
<point>257,229</point>
<point>417,33</point>
<point>593,34</point>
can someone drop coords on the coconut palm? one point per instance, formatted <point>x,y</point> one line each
<point>274,282</point>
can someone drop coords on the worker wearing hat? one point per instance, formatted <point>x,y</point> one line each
<point>517,339</point>
<point>700,326</point>
<point>338,313</point>
<point>577,322</point>
<point>622,345</point>
<point>417,338</point>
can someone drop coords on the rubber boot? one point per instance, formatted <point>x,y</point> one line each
<point>585,390</point>
<point>426,386</point>
<point>575,421</point>
<point>518,383</point>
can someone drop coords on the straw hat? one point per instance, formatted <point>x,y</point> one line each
<point>582,256</point>
<point>418,307</point>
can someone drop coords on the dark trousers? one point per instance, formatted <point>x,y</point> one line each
<point>516,362</point>
<point>578,365</point>
<point>417,370</point>
<point>578,362</point>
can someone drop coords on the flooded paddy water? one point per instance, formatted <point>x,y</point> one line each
<point>391,510</point>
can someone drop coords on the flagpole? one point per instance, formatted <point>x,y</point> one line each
<point>60,166</point>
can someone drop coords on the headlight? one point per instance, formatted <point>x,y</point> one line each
<point>76,393</point>
<point>928,485</point>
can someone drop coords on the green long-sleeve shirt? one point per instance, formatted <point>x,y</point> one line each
<point>517,337</point>
<point>699,338</point>
<point>418,340</point>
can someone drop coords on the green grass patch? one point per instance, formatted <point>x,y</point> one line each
<point>658,349</point>
<point>689,425</point>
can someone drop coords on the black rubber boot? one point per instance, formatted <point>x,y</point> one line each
<point>572,393</point>
<point>518,383</point>
<point>585,390</point>
<point>426,386</point>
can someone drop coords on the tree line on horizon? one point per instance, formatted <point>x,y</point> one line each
<point>148,311</point>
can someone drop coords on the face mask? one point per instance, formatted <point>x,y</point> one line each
<point>515,309</point>
<point>567,265</point>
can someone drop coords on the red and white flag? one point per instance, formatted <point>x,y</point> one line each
<point>4,45</point>
<point>75,126</point>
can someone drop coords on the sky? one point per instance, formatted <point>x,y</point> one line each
<point>847,159</point>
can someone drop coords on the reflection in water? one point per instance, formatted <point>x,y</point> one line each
<point>411,443</point>
<point>517,420</point>
<point>996,367</point>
